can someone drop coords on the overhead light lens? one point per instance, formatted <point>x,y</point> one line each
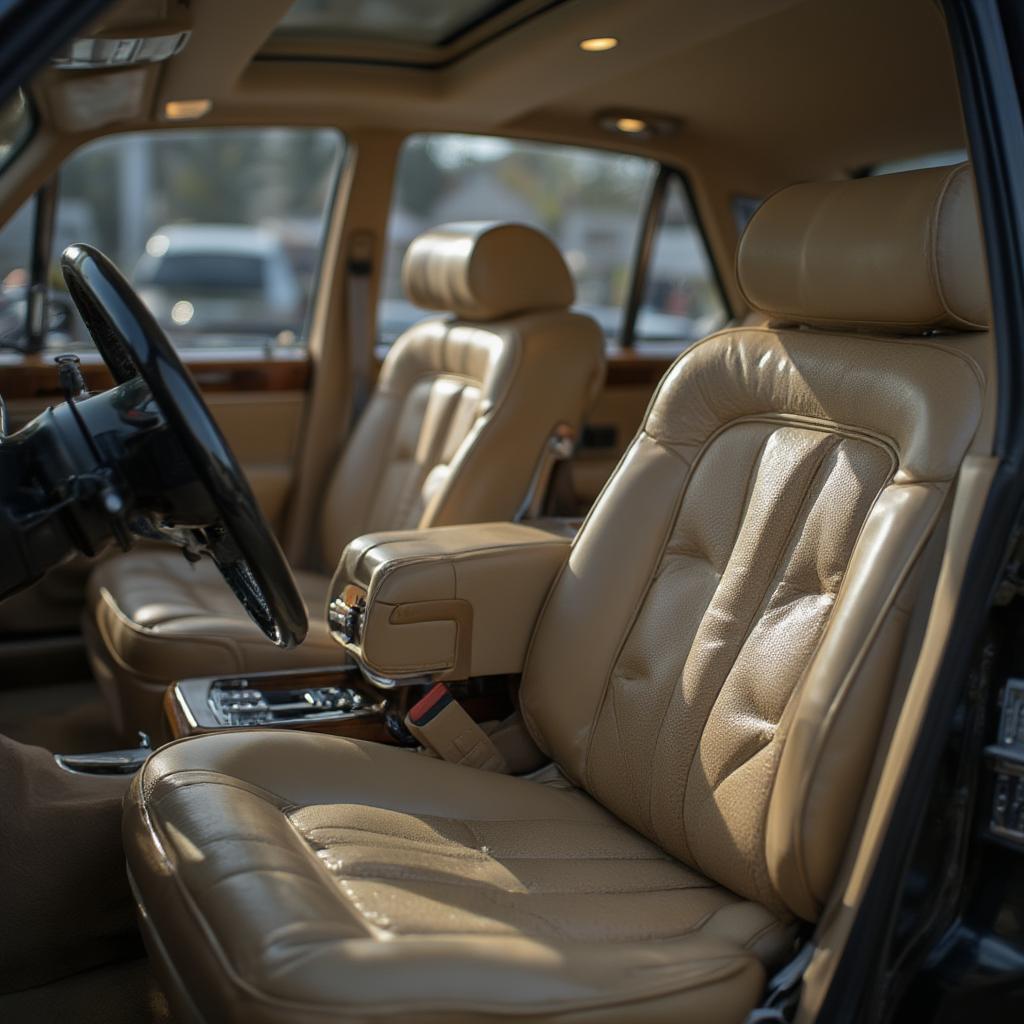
<point>186,110</point>
<point>598,44</point>
<point>632,125</point>
<point>629,122</point>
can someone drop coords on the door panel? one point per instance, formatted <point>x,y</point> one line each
<point>263,430</point>
<point>614,420</point>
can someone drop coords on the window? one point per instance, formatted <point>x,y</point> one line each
<point>681,298</point>
<point>219,230</point>
<point>592,203</point>
<point>743,208</point>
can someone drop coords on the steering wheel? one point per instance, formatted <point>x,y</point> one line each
<point>240,542</point>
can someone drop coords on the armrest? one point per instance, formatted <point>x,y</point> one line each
<point>448,602</point>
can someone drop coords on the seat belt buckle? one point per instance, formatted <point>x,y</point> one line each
<point>442,725</point>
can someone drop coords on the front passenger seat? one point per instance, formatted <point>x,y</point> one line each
<point>709,677</point>
<point>454,432</point>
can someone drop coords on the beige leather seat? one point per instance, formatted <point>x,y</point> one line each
<point>453,433</point>
<point>708,676</point>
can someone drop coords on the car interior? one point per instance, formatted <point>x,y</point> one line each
<point>511,467</point>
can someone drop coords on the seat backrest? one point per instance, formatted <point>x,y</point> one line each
<point>465,402</point>
<point>716,658</point>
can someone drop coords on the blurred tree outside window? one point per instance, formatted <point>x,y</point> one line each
<point>219,229</point>
<point>592,203</point>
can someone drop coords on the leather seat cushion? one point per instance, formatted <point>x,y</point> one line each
<point>163,618</point>
<point>305,876</point>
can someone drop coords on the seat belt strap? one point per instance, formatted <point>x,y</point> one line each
<point>358,276</point>
<point>559,447</point>
<point>442,725</point>
<point>783,992</point>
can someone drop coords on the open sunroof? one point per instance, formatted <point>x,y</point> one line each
<point>419,22</point>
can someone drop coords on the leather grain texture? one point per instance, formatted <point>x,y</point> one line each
<point>774,500</point>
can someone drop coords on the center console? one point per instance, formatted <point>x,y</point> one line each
<point>327,700</point>
<point>334,700</point>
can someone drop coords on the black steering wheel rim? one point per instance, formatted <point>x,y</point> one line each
<point>133,345</point>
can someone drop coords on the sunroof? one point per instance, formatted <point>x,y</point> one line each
<point>423,22</point>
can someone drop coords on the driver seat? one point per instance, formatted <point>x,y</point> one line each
<point>709,677</point>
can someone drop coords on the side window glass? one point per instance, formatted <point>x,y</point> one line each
<point>682,300</point>
<point>590,202</point>
<point>743,208</point>
<point>15,273</point>
<point>219,230</point>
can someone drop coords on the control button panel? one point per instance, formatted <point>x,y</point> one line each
<point>1008,805</point>
<point>236,703</point>
<point>1007,818</point>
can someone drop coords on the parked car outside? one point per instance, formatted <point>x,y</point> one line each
<point>216,282</point>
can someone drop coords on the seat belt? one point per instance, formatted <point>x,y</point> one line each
<point>358,276</point>
<point>442,725</point>
<point>558,448</point>
<point>783,992</point>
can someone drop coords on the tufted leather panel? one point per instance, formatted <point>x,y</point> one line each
<point>774,500</point>
<point>457,422</point>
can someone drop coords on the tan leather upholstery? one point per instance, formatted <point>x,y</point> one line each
<point>453,433</point>
<point>153,616</point>
<point>296,877</point>
<point>911,258</point>
<point>453,601</point>
<point>709,673</point>
<point>486,271</point>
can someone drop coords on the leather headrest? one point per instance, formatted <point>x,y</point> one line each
<point>486,270</point>
<point>899,253</point>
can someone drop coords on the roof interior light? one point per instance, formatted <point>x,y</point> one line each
<point>186,110</point>
<point>598,44</point>
<point>637,125</point>
<point>632,125</point>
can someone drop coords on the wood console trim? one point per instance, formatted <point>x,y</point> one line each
<point>35,376</point>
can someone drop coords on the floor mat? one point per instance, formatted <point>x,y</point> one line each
<point>124,993</point>
<point>67,718</point>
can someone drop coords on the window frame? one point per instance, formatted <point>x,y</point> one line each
<point>656,205</point>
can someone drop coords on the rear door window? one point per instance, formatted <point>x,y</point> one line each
<point>592,203</point>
